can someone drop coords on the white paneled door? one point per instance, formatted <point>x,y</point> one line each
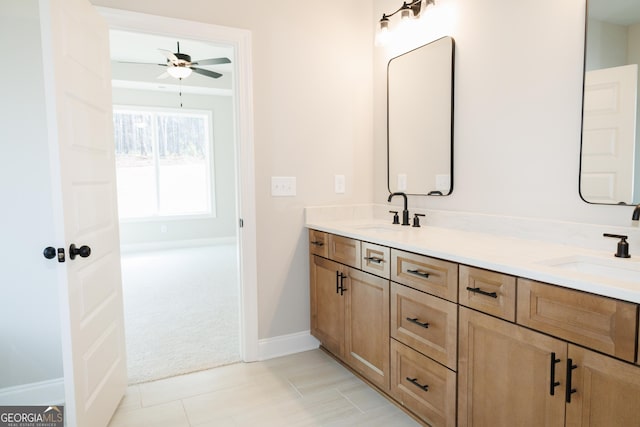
<point>609,134</point>
<point>78,96</point>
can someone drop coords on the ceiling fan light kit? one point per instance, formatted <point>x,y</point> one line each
<point>179,71</point>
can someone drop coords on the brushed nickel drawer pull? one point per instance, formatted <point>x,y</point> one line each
<point>481,292</point>
<point>415,382</point>
<point>374,259</point>
<point>419,273</point>
<point>417,322</point>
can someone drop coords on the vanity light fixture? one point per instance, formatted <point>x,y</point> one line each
<point>407,11</point>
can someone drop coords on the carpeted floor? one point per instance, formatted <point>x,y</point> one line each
<point>181,311</point>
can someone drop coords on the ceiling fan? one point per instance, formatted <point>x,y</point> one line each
<point>180,66</point>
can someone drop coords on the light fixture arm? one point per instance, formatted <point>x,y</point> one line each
<point>415,6</point>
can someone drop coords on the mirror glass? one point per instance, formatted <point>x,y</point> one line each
<point>419,120</point>
<point>610,153</point>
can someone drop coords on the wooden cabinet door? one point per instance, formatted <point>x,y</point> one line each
<point>367,326</point>
<point>607,391</point>
<point>327,304</point>
<point>504,374</point>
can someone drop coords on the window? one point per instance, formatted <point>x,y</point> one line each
<point>163,162</point>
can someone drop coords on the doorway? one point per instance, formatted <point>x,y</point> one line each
<point>239,42</point>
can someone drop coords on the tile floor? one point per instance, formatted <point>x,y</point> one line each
<point>304,389</point>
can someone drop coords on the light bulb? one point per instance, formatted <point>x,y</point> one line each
<point>384,35</point>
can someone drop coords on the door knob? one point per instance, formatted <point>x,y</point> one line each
<point>51,252</point>
<point>84,251</point>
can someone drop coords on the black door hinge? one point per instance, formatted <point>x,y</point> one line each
<point>241,222</point>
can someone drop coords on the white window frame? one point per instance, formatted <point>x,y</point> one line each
<point>209,152</point>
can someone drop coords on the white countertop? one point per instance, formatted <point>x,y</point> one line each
<point>520,257</point>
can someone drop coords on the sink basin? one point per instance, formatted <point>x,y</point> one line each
<point>619,269</point>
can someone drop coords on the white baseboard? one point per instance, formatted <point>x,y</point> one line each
<point>50,392</point>
<point>283,345</point>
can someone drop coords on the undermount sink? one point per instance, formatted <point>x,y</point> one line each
<point>627,270</point>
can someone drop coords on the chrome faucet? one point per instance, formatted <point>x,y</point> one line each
<point>405,211</point>
<point>636,214</point>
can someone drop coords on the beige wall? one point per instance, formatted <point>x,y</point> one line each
<point>312,112</point>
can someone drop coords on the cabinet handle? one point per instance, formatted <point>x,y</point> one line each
<point>415,382</point>
<point>342,289</point>
<point>481,292</point>
<point>419,273</point>
<point>317,243</point>
<point>417,322</point>
<point>374,259</point>
<point>569,391</point>
<point>553,383</point>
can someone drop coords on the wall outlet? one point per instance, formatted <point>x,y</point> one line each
<point>339,182</point>
<point>283,186</point>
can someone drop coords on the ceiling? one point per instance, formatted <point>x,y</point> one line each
<point>138,47</point>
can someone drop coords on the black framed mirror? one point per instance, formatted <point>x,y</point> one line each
<point>420,120</point>
<point>610,149</point>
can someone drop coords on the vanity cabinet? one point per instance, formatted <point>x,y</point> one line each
<point>460,345</point>
<point>350,310</point>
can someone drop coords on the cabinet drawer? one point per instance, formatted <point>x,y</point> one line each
<point>376,259</point>
<point>425,387</point>
<point>488,291</point>
<point>426,323</point>
<point>434,276</point>
<point>603,324</point>
<point>344,250</point>
<point>318,243</point>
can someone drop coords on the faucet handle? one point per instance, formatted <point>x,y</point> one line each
<point>396,218</point>
<point>416,219</point>
<point>623,246</point>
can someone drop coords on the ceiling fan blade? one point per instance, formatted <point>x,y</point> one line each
<point>170,55</point>
<point>207,73</point>
<point>163,75</point>
<point>212,61</point>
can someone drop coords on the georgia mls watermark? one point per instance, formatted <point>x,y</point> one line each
<point>31,416</point>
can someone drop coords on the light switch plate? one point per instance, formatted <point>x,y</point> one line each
<point>282,186</point>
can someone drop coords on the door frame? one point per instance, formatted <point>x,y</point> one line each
<point>240,40</point>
